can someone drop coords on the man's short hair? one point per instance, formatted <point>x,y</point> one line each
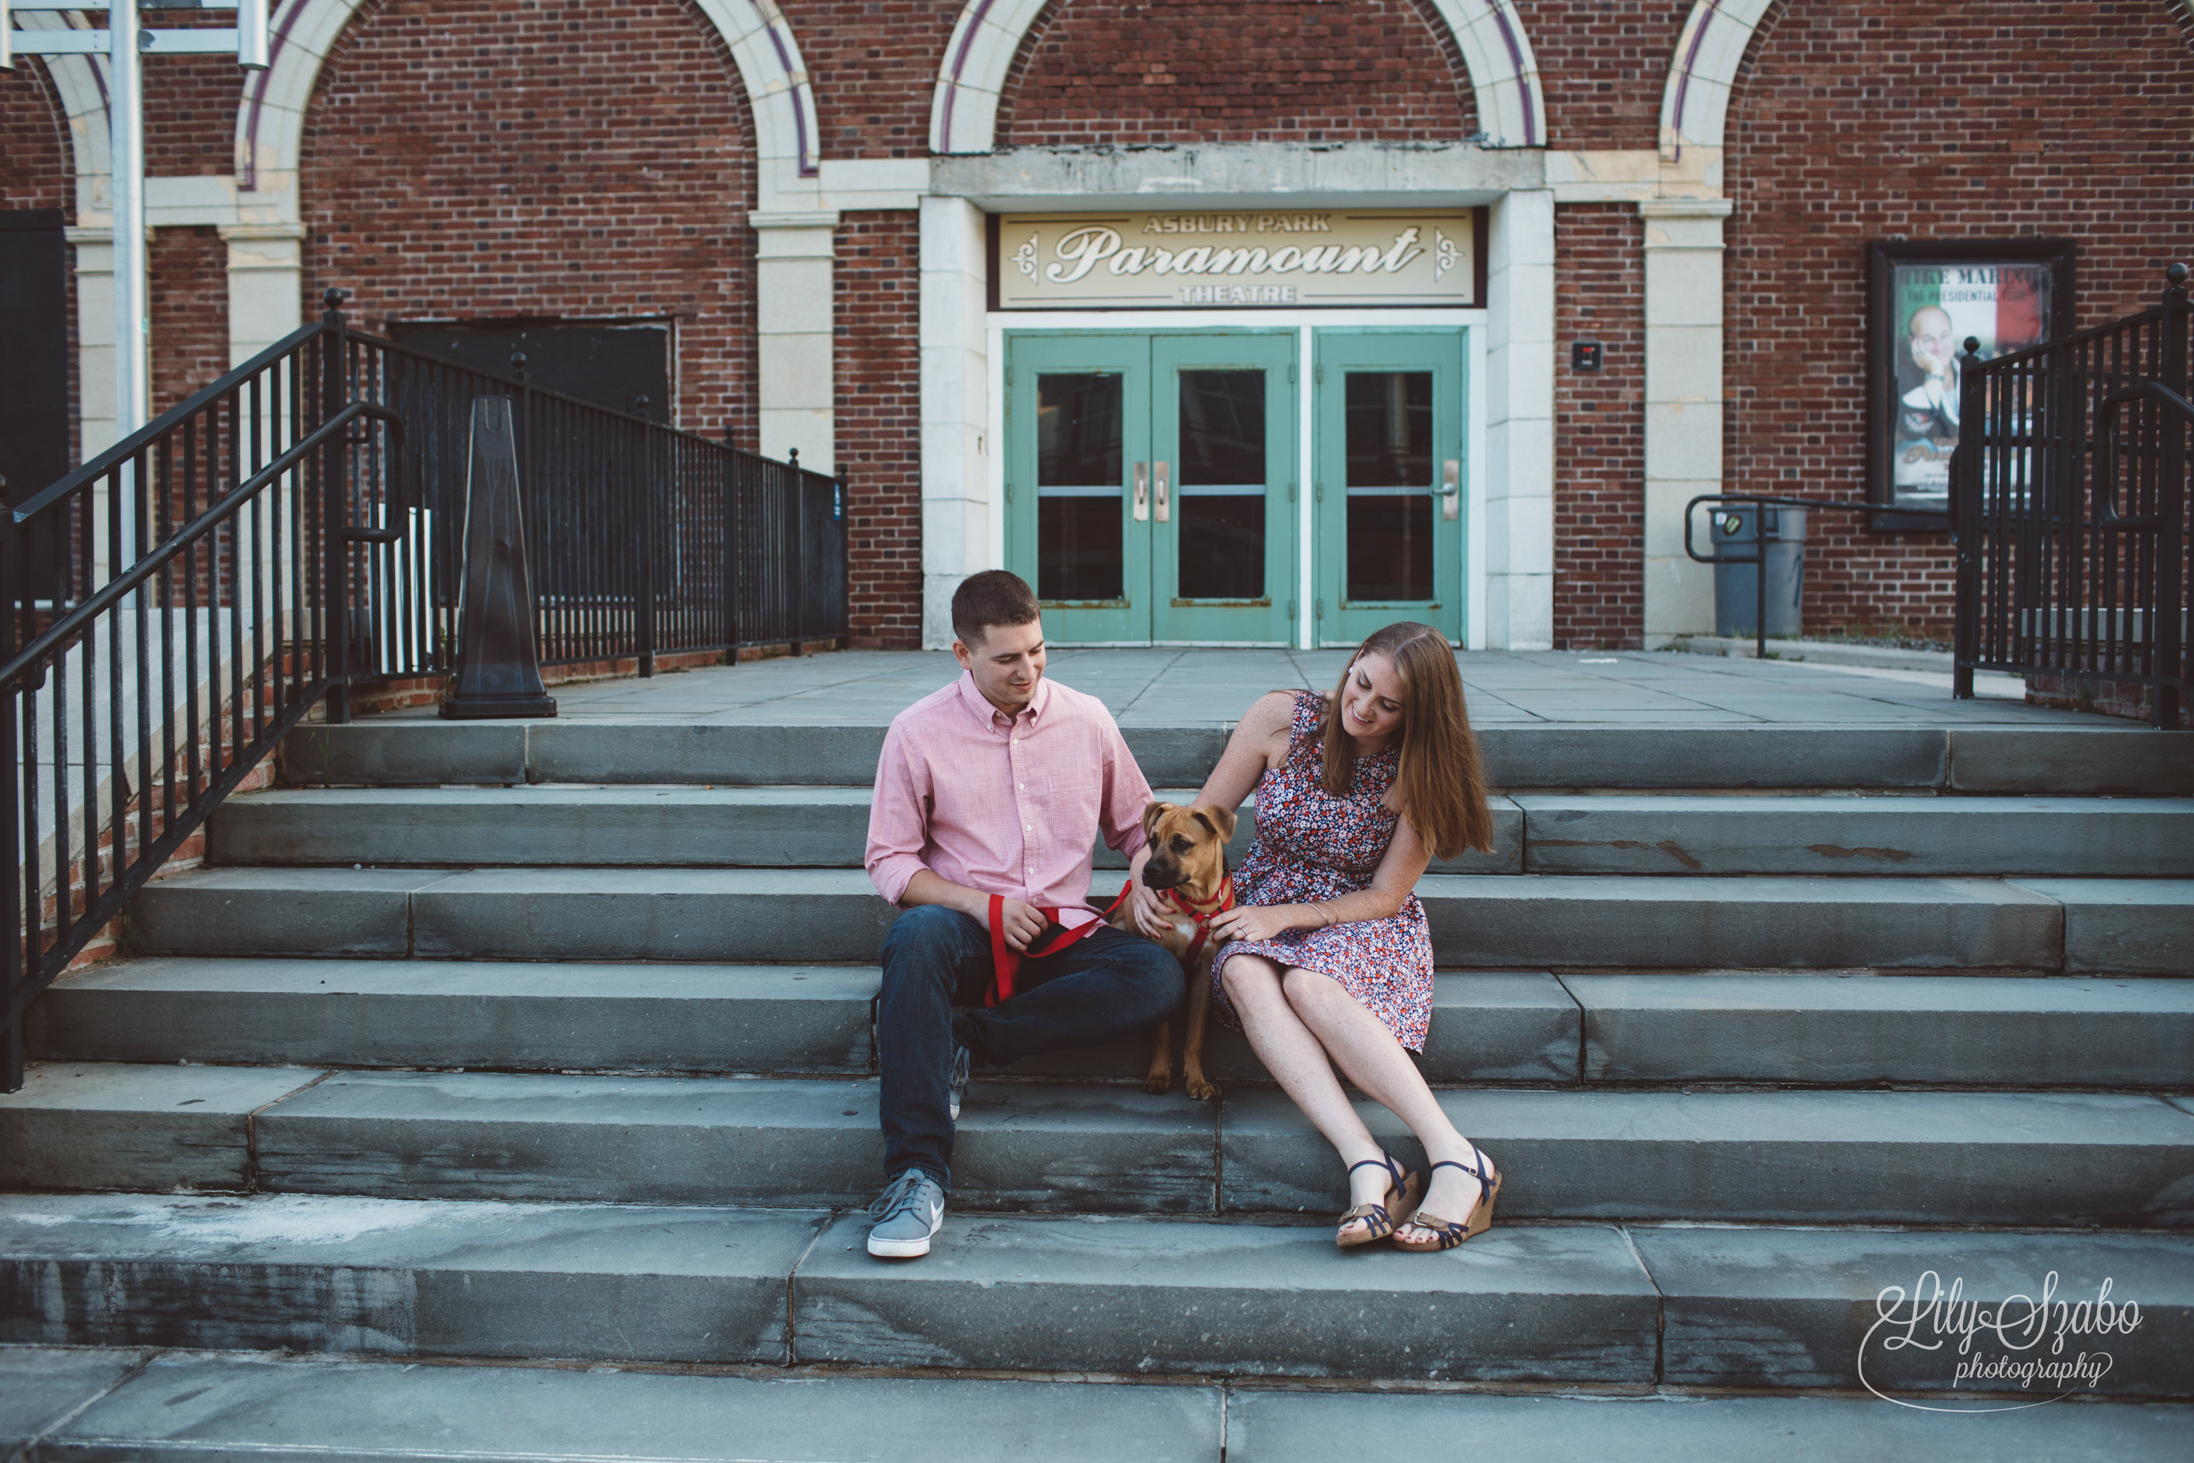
<point>993,597</point>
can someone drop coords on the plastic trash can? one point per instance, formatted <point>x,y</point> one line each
<point>1736,531</point>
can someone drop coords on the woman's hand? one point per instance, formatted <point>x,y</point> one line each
<point>1255,922</point>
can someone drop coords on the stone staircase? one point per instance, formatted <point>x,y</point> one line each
<point>551,1044</point>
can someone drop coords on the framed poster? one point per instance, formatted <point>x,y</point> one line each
<point>1924,300</point>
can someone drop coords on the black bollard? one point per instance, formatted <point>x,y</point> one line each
<point>499,656</point>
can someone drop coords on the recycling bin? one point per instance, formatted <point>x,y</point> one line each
<point>1740,528</point>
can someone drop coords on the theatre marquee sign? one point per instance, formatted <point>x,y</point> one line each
<point>1250,259</point>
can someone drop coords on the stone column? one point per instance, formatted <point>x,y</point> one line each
<point>1519,548</point>
<point>960,524</point>
<point>1683,403</point>
<point>794,268</point>
<point>94,340</point>
<point>266,285</point>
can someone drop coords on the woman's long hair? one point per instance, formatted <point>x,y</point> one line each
<point>1442,776</point>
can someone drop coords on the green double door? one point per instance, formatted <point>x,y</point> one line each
<point>1152,483</point>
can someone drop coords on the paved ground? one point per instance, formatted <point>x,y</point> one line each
<point>1169,687</point>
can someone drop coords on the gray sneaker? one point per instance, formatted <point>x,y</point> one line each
<point>960,1065</point>
<point>909,1211</point>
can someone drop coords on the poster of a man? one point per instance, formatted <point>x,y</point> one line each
<point>1935,307</point>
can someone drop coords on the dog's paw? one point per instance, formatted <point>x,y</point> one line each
<point>1200,1087</point>
<point>1158,1083</point>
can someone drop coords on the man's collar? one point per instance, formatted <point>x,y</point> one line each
<point>979,704</point>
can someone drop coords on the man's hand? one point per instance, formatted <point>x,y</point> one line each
<point>1021,923</point>
<point>1146,906</point>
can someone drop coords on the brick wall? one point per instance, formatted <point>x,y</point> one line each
<point>34,155</point>
<point>875,69</point>
<point>879,400</point>
<point>190,313</point>
<point>475,159</point>
<point>1934,119</point>
<point>1599,429</point>
<point>1097,71</point>
<point>1602,65</point>
<point>190,101</point>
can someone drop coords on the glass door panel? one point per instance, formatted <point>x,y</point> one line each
<point>1389,428</point>
<point>1080,548</point>
<point>1389,514</point>
<point>1223,536</point>
<point>1077,432</point>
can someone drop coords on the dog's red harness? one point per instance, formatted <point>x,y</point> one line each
<point>1007,960</point>
<point>1201,915</point>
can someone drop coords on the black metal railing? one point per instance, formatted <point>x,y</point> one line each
<point>170,610</point>
<point>2068,500</point>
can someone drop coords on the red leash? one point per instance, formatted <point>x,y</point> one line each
<point>1008,960</point>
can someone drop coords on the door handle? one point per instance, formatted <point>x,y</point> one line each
<point>1451,500</point>
<point>1142,492</point>
<point>1165,502</point>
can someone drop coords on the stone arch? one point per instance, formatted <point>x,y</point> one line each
<point>80,83</point>
<point>972,74</point>
<point>1703,72</point>
<point>270,119</point>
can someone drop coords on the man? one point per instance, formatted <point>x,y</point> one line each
<point>996,785</point>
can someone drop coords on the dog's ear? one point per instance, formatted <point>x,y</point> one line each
<point>1219,821</point>
<point>1151,815</point>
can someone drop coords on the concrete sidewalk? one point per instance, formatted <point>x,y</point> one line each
<point>1177,687</point>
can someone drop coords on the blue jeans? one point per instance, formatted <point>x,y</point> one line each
<point>1099,987</point>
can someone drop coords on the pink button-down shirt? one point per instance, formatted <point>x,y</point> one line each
<point>1004,805</point>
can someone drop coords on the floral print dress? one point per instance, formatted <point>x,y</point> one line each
<point>1313,846</point>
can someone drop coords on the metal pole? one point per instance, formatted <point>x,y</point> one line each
<point>1967,468</point>
<point>335,511</point>
<point>2171,534</point>
<point>126,129</point>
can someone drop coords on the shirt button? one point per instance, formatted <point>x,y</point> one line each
<point>1020,787</point>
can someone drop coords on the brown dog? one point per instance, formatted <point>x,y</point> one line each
<point>1188,867</point>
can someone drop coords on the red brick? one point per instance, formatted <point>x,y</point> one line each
<point>1599,429</point>
<point>1111,71</point>
<point>1933,119</point>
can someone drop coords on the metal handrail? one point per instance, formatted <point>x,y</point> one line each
<point>1759,531</point>
<point>160,426</point>
<point>2054,578</point>
<point>136,576</point>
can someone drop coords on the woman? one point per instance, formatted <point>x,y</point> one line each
<point>1325,961</point>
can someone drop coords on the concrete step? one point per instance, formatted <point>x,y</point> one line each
<point>1855,1029</point>
<point>183,1407</point>
<point>1493,922</point>
<point>1828,1030</point>
<point>689,1018</point>
<point>722,827</point>
<point>2057,836</point>
<point>2075,758</point>
<point>1590,1304</point>
<point>827,827</point>
<point>1777,1157</point>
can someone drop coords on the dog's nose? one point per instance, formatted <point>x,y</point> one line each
<point>1158,878</point>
